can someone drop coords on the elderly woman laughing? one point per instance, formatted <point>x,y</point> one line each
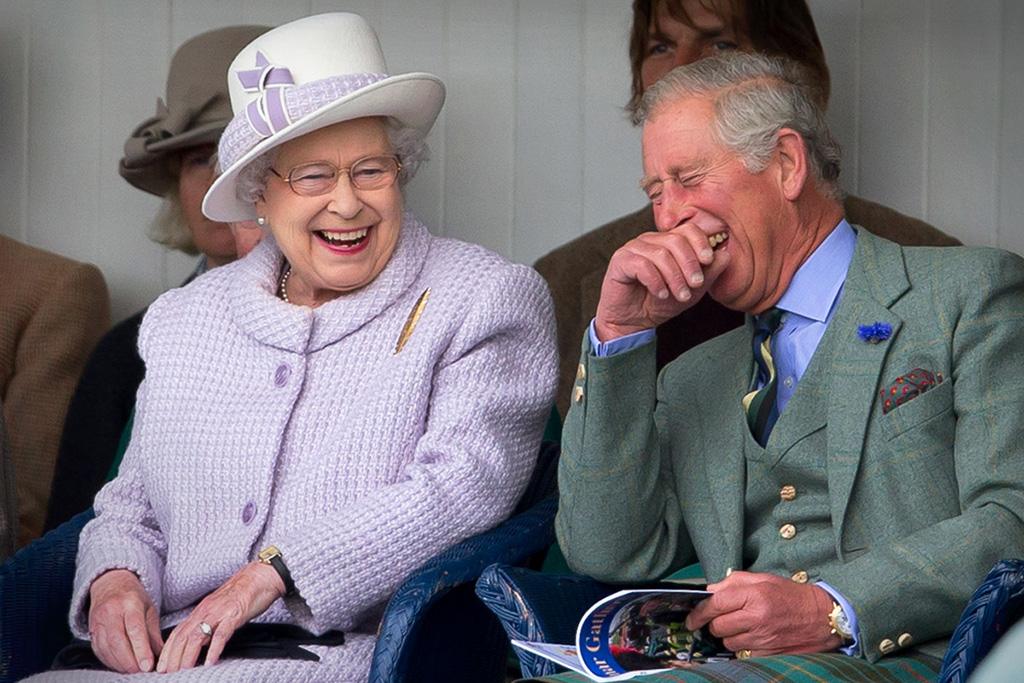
<point>323,416</point>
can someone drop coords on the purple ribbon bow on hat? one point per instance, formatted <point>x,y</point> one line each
<point>267,114</point>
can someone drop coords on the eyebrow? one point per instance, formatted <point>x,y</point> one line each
<point>646,180</point>
<point>698,166</point>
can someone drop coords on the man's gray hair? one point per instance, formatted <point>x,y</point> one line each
<point>754,97</point>
<point>407,143</point>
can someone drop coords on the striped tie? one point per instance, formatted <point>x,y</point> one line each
<point>760,404</point>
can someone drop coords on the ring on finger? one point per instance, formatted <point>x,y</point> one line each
<point>743,654</point>
<point>206,629</point>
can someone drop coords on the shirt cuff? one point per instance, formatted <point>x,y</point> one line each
<point>619,345</point>
<point>853,649</point>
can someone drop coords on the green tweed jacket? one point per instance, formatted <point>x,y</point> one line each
<point>924,499</point>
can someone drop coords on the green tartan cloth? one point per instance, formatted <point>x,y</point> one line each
<point>792,669</point>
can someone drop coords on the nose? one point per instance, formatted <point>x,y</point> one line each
<point>685,53</point>
<point>344,200</point>
<point>674,207</point>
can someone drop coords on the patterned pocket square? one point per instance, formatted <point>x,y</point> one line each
<point>908,387</point>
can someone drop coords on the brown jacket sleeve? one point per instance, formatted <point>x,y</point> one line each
<point>54,311</point>
<point>8,509</point>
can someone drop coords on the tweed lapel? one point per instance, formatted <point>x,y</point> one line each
<point>805,413</point>
<point>726,470</point>
<point>876,279</point>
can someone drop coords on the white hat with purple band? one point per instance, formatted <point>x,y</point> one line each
<point>305,75</point>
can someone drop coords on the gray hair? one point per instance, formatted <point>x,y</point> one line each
<point>169,226</point>
<point>407,143</point>
<point>754,97</point>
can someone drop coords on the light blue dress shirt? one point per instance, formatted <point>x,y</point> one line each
<point>808,304</point>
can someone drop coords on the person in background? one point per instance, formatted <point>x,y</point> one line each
<point>169,155</point>
<point>52,312</point>
<point>8,499</point>
<point>247,235</point>
<point>321,417</point>
<point>666,34</point>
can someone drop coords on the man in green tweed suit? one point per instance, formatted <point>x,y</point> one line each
<point>874,471</point>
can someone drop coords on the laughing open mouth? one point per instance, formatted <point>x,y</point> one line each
<point>346,240</point>
<point>717,239</point>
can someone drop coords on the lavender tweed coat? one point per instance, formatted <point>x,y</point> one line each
<point>261,422</point>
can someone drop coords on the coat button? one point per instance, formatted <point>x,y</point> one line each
<point>581,372</point>
<point>800,576</point>
<point>248,512</point>
<point>787,492</point>
<point>886,646</point>
<point>282,374</point>
<point>905,640</point>
<point>577,394</point>
<point>787,531</point>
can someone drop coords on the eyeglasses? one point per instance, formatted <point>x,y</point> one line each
<point>320,177</point>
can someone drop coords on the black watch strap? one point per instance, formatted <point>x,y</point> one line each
<point>272,556</point>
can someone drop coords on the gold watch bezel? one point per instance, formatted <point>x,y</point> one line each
<point>268,554</point>
<point>834,623</point>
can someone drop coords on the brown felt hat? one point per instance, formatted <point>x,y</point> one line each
<point>196,111</point>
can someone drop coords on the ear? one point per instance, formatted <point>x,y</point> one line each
<point>791,154</point>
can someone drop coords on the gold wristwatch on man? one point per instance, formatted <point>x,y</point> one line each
<point>839,623</point>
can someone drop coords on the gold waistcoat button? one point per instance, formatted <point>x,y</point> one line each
<point>800,576</point>
<point>787,531</point>
<point>581,372</point>
<point>905,640</point>
<point>787,492</point>
<point>886,646</point>
<point>577,394</point>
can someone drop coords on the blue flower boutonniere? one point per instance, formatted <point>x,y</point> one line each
<point>875,333</point>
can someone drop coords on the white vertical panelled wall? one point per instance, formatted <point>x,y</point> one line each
<point>533,147</point>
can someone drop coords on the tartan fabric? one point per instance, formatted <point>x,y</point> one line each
<point>823,667</point>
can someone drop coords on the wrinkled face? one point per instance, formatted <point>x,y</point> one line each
<point>195,175</point>
<point>673,42</point>
<point>707,185</point>
<point>339,241</point>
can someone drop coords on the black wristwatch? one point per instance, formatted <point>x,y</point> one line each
<point>272,556</point>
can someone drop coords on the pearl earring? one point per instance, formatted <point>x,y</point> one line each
<point>261,221</point>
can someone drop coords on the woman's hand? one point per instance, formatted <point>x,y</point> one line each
<point>123,623</point>
<point>244,596</point>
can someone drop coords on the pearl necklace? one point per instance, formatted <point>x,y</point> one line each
<point>282,286</point>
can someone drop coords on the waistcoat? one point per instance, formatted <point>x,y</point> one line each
<point>787,518</point>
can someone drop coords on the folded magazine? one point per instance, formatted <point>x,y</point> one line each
<point>635,632</point>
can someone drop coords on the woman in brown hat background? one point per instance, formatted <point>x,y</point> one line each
<point>170,155</point>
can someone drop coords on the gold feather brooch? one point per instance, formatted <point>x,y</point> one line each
<point>410,322</point>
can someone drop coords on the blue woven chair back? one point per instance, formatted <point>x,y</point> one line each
<point>996,605</point>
